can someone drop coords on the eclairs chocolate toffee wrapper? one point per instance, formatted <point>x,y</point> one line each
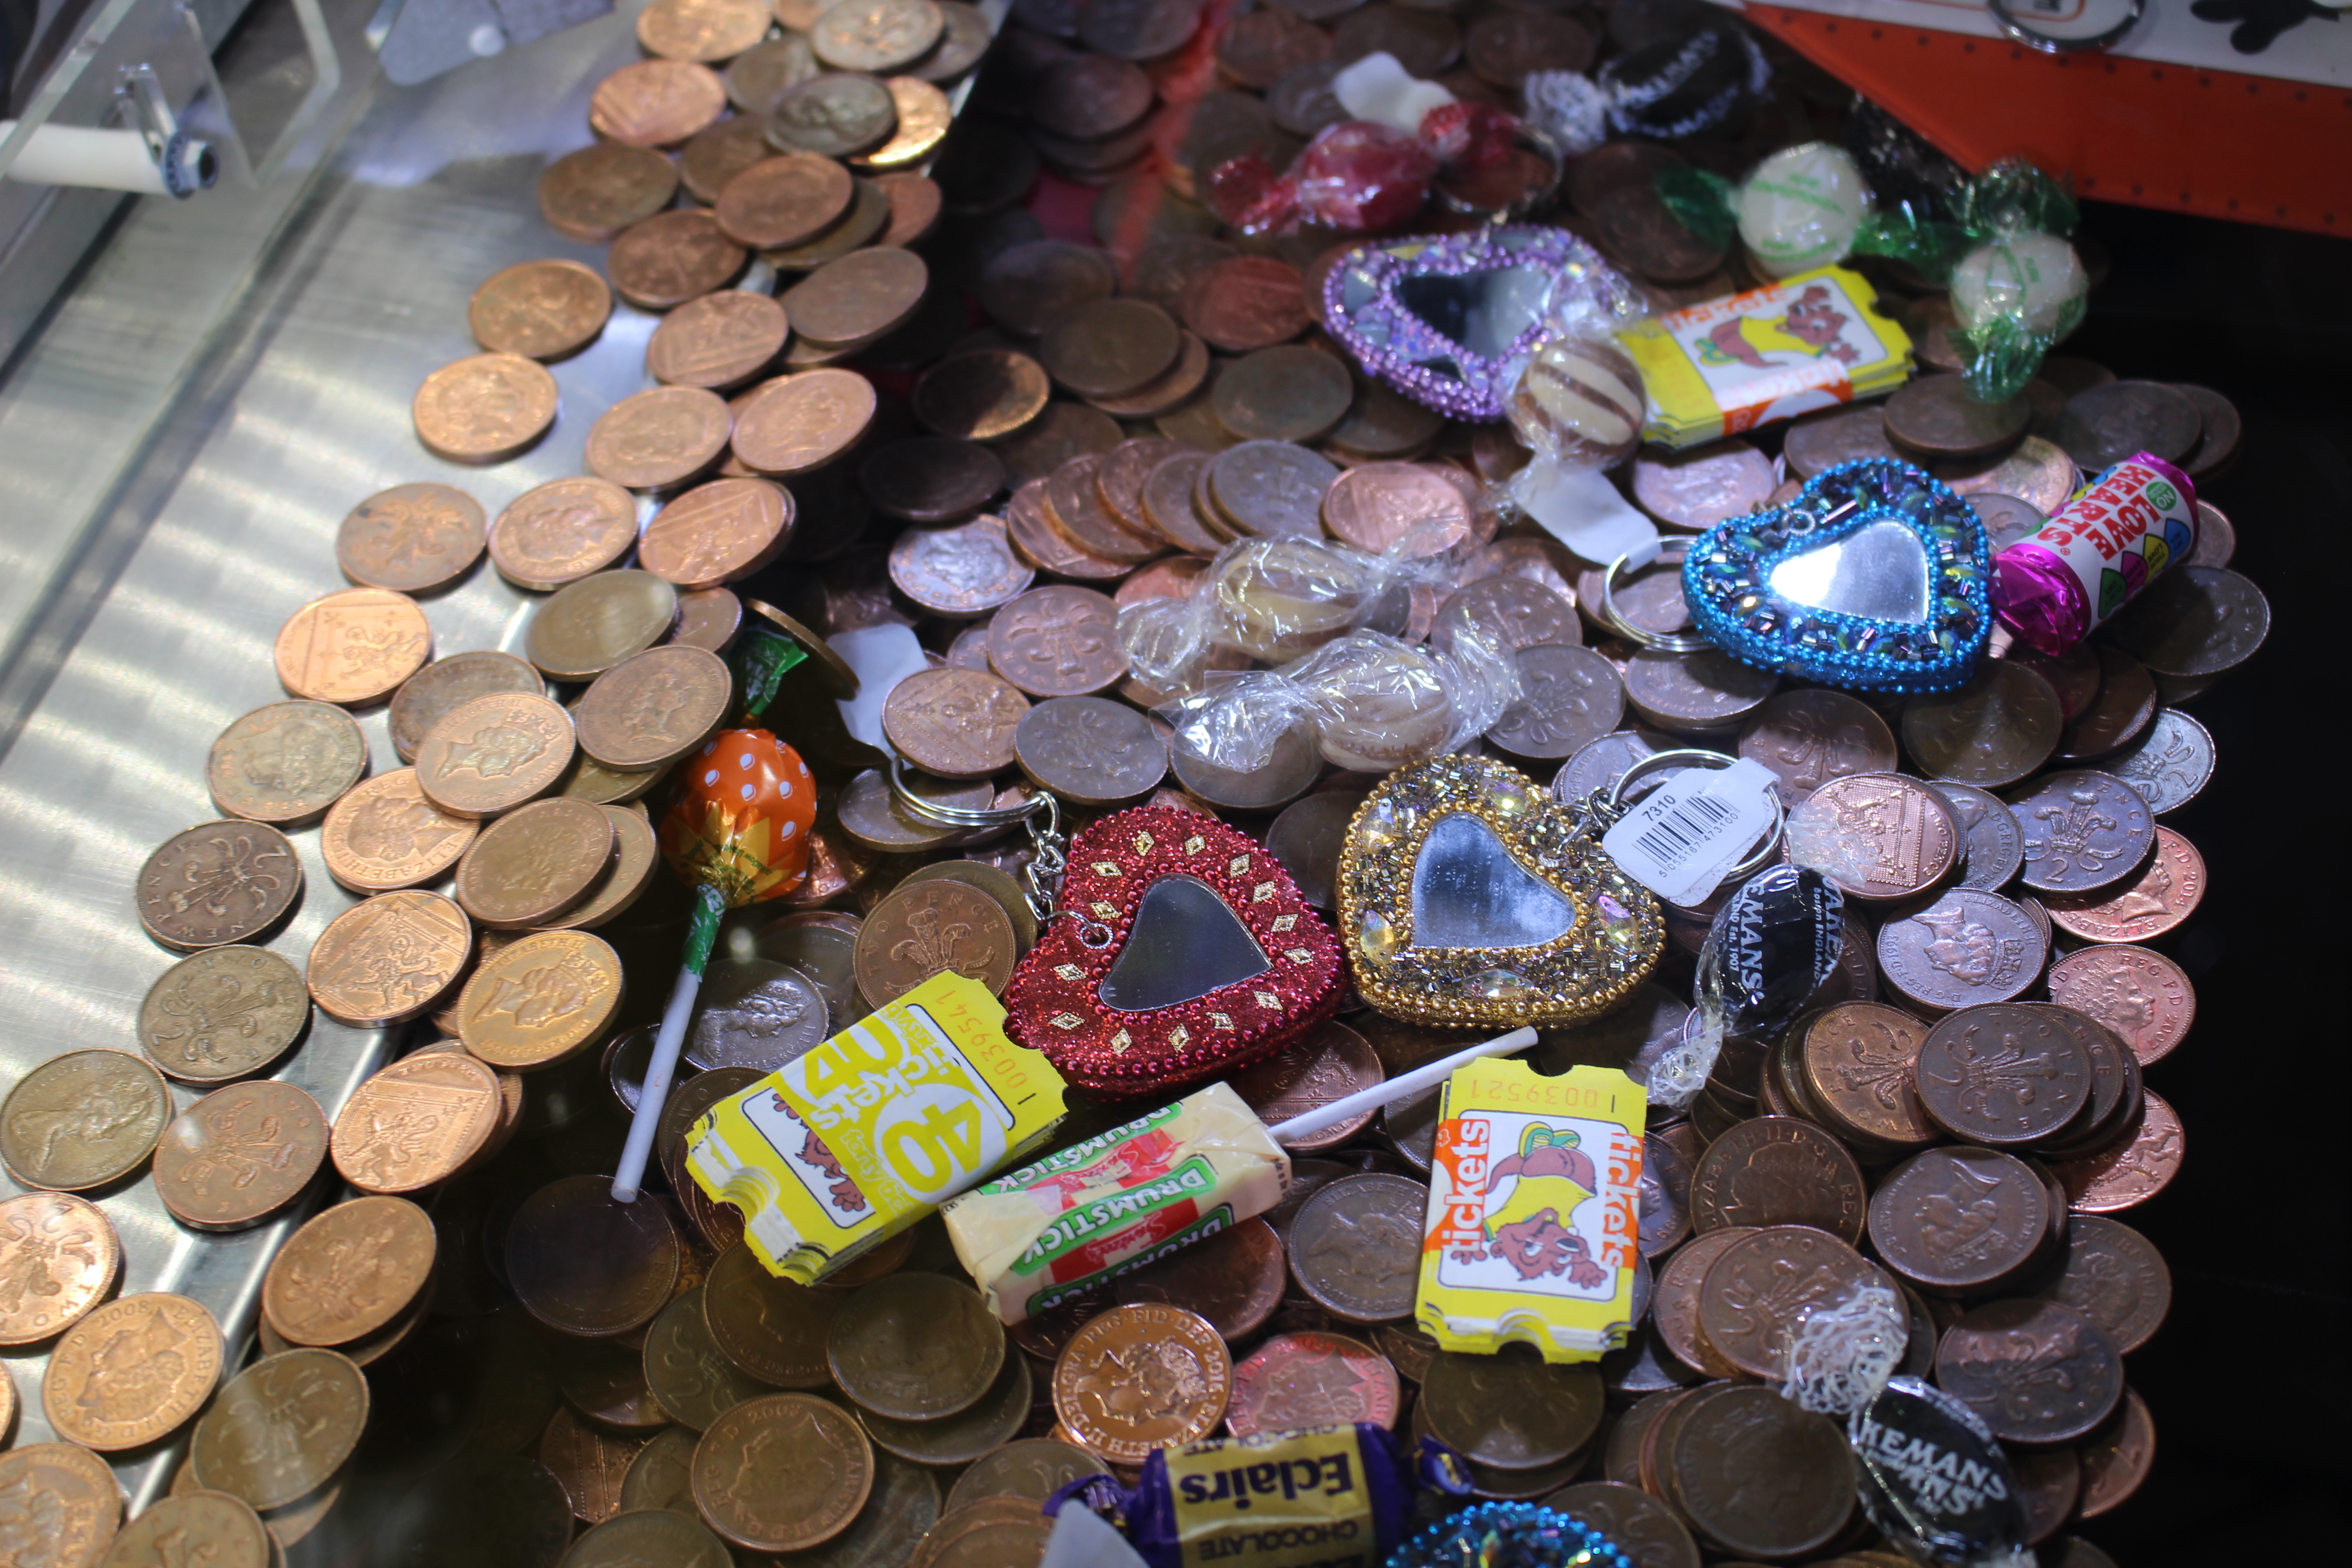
<point>2096,553</point>
<point>1116,1203</point>
<point>1534,1206</point>
<point>864,1134</point>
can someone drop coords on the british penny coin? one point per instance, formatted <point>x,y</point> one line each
<point>1641,1526</point>
<point>915,1347</point>
<point>963,41</point>
<point>1994,844</point>
<point>540,309</point>
<point>928,928</point>
<point>1520,612</point>
<point>540,1001</point>
<point>831,115</point>
<point>1292,765</point>
<point>2130,1172</point>
<point>1848,432</point>
<point>782,1473</point>
<point>585,629</point>
<point>1028,288</point>
<point>890,1529</point>
<point>286,764</point>
<point>1107,348</point>
<point>782,200</point>
<point>1298,1380</point>
<point>448,683</point>
<point>414,539</point>
<point>1167,502</point>
<point>1810,736</point>
<point>959,572</point>
<point>931,478</point>
<point>657,439</point>
<point>2084,830</point>
<point>492,754</point>
<point>1270,488</point>
<point>2007,519</point>
<point>584,1263</point>
<point>858,297</point>
<point>1876,835</point>
<point>593,194</point>
<point>2194,621</point>
<point>1383,508</point>
<point>2125,706</point>
<point>1248,302</point>
<point>758,76</point>
<point>534,863</point>
<point>1232,1280</point>
<point>718,341</point>
<point>922,118</point>
<point>995,1420</point>
<point>1039,544</point>
<point>804,421</point>
<point>1756,1475</point>
<point>755,1013</point>
<point>672,257</point>
<point>350,1271</point>
<point>239,1155</point>
<point>1260,48</point>
<point>653,707</point>
<point>1678,1298</point>
<point>1122,473</point>
<point>1331,1063</point>
<point>708,618</point>
<point>80,1121</point>
<point>2002,1075</point>
<point>281,1428</point>
<point>1090,750</point>
<point>1779,1171</point>
<point>2114,1277</point>
<point>1073,505</point>
<point>2220,429</point>
<point>561,532</point>
<point>1698,488</point>
<point>352,647</point>
<point>1287,393</point>
<point>1955,1221</point>
<point>1859,1061</point>
<point>956,723</point>
<point>718,533</point>
<point>708,32</point>
<point>2101,426</point>
<point>1064,430</point>
<point>73,1494</point>
<point>656,103</point>
<point>1569,697</point>
<point>484,409</point>
<point>2116,1461</point>
<point>2035,1372</point>
<point>1966,948</point>
<point>2141,996</point>
<point>1996,729</point>
<point>1355,1246</point>
<point>1032,1467</point>
<point>1663,1212</point>
<point>1510,1411</point>
<point>1696,693</point>
<point>982,395</point>
<point>1100,1380</point>
<point>2167,892</point>
<point>874,35</point>
<point>649,1535</point>
<point>771,1329</point>
<point>1057,642</point>
<point>65,1250</point>
<point>385,834</point>
<point>695,1384</point>
<point>415,1123</point>
<point>2170,765</point>
<point>211,1527</point>
<point>2034,471</point>
<point>1172,389</point>
<point>1939,415</point>
<point>1308,837</point>
<point>1759,1291</point>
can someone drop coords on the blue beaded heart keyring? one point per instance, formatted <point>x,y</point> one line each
<point>1873,576</point>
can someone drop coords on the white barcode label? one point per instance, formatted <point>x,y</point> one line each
<point>1682,836</point>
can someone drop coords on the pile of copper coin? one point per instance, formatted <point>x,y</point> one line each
<point>878,397</point>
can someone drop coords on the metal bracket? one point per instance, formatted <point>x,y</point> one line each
<point>327,75</point>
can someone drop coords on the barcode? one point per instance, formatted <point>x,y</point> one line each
<point>1676,837</point>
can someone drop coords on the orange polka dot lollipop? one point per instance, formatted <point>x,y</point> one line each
<point>737,833</point>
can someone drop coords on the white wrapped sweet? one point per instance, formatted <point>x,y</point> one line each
<point>2031,277</point>
<point>1801,207</point>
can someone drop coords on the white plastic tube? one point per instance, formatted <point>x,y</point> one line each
<point>111,161</point>
<point>1399,1087</point>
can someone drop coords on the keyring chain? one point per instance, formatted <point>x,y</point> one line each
<point>1602,808</point>
<point>1041,816</point>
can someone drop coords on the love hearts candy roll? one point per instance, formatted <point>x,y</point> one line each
<point>2096,553</point>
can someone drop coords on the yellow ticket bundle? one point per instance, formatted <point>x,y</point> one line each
<point>1533,1203</point>
<point>868,1132</point>
<point>1725,365</point>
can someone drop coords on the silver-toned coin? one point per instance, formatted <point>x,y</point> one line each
<point>2171,764</point>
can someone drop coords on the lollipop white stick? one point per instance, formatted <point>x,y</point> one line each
<point>1398,1087</point>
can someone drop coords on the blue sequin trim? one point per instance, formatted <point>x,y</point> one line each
<point>1508,1535</point>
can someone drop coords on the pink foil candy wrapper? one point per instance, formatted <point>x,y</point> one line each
<point>1356,176</point>
<point>2096,553</point>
